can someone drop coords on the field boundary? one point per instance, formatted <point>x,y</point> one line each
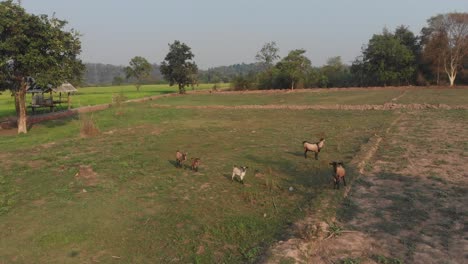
<point>10,122</point>
<point>365,107</point>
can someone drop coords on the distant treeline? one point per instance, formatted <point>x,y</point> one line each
<point>437,56</point>
<point>108,74</point>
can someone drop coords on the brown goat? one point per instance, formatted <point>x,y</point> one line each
<point>339,173</point>
<point>195,164</point>
<point>180,157</point>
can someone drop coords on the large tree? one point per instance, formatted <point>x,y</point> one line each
<point>295,65</point>
<point>445,43</point>
<point>267,55</point>
<point>139,69</point>
<point>35,49</point>
<point>178,67</point>
<point>385,61</point>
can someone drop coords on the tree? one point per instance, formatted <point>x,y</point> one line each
<point>335,73</point>
<point>267,55</point>
<point>35,50</point>
<point>295,66</point>
<point>385,61</point>
<point>139,69</point>
<point>118,80</point>
<point>178,66</point>
<point>445,43</point>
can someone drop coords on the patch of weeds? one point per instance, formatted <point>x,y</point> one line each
<point>63,193</point>
<point>7,201</point>
<point>334,229</point>
<point>361,181</point>
<point>410,246</point>
<point>395,177</point>
<point>440,162</point>
<point>437,178</point>
<point>250,254</point>
<point>390,227</point>
<point>351,261</point>
<point>88,126</point>
<point>386,260</point>
<point>287,260</point>
<point>348,210</point>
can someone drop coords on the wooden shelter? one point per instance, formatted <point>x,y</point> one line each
<point>39,99</point>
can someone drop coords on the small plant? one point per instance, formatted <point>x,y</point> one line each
<point>385,260</point>
<point>119,99</point>
<point>88,126</point>
<point>350,261</point>
<point>334,229</point>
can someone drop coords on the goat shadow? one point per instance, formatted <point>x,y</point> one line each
<point>295,153</point>
<point>229,178</point>
<point>174,163</point>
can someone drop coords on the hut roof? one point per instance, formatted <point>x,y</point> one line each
<point>65,88</point>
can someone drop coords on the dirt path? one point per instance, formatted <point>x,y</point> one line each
<point>386,106</point>
<point>410,204</point>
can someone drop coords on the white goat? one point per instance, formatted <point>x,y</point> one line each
<point>239,171</point>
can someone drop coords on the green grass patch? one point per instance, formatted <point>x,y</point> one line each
<point>298,98</point>
<point>136,205</point>
<point>101,95</point>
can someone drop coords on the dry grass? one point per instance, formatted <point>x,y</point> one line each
<point>89,127</point>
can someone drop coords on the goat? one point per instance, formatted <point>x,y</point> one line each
<point>239,171</point>
<point>195,164</point>
<point>180,157</point>
<point>339,173</point>
<point>314,147</point>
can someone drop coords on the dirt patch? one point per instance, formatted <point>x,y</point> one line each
<point>411,205</point>
<point>366,107</point>
<point>312,238</point>
<point>87,176</point>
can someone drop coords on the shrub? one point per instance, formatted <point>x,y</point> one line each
<point>88,126</point>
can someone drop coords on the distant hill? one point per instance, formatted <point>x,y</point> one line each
<point>227,73</point>
<point>104,74</point>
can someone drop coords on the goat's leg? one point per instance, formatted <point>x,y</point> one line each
<point>344,181</point>
<point>232,178</point>
<point>316,155</point>
<point>305,153</point>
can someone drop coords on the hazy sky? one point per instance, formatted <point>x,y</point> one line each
<point>224,32</point>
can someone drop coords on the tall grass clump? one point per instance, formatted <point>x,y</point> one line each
<point>88,127</point>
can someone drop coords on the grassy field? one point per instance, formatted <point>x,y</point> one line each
<point>117,197</point>
<point>298,98</point>
<point>455,96</point>
<point>102,95</point>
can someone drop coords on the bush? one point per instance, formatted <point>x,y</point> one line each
<point>88,126</point>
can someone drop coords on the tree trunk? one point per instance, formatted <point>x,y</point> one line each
<point>452,79</point>
<point>292,85</point>
<point>22,118</point>
<point>17,108</point>
<point>181,89</point>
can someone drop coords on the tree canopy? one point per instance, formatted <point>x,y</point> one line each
<point>38,49</point>
<point>295,65</point>
<point>385,61</point>
<point>139,69</point>
<point>445,43</point>
<point>178,67</point>
<point>268,55</point>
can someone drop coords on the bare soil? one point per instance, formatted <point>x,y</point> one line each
<point>409,206</point>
